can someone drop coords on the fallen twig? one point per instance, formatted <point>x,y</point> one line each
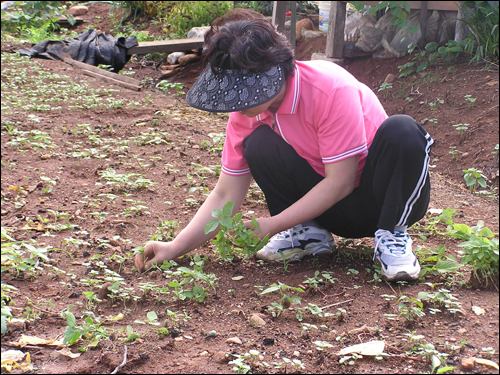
<point>45,311</point>
<point>336,304</point>
<point>118,368</point>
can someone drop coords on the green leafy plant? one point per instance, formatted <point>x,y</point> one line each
<point>435,104</point>
<point>385,87</point>
<point>233,237</point>
<point>166,85</point>
<point>461,128</point>
<point>436,262</point>
<point>125,181</point>
<point>312,310</point>
<point>454,152</point>
<point>26,16</point>
<point>194,281</point>
<point>482,19</point>
<point>285,300</point>
<point>480,249</point>
<point>474,177</point>
<point>470,101</point>
<point>441,298</point>
<point>240,365</point>
<point>91,331</point>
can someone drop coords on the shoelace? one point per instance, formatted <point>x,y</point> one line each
<point>395,244</point>
<point>283,234</point>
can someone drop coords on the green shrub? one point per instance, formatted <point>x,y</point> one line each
<point>34,15</point>
<point>177,17</point>
<point>480,248</point>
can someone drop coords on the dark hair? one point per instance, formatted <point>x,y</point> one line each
<point>246,40</point>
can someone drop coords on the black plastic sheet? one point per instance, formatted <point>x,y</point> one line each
<point>91,47</point>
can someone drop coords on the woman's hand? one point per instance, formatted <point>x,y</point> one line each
<point>266,225</point>
<point>155,253</point>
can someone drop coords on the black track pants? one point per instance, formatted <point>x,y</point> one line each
<point>394,189</point>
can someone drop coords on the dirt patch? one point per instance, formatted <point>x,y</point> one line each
<point>174,163</point>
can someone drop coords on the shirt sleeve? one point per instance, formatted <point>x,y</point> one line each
<point>341,130</point>
<point>233,153</point>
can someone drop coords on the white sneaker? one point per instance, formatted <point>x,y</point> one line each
<point>297,242</point>
<point>393,251</point>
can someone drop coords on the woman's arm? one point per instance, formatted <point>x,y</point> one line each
<point>228,188</point>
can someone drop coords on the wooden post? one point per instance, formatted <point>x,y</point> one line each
<point>336,26</point>
<point>460,27</point>
<point>279,11</point>
<point>423,23</point>
<point>293,23</point>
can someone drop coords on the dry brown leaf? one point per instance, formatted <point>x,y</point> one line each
<point>371,348</point>
<point>68,353</point>
<point>487,362</point>
<point>33,340</point>
<point>478,310</point>
<point>12,359</point>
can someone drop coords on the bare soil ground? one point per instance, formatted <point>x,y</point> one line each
<point>173,163</point>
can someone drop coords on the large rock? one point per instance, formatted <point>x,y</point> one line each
<point>305,23</point>
<point>78,10</point>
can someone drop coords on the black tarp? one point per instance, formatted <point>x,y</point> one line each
<point>91,47</point>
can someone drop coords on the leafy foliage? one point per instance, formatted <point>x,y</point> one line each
<point>480,248</point>
<point>33,15</point>
<point>234,238</point>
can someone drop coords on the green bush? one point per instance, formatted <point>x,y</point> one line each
<point>184,15</point>
<point>482,19</point>
<point>177,17</point>
<point>25,15</point>
<point>480,249</point>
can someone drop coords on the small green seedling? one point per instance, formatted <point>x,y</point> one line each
<point>461,128</point>
<point>285,300</point>
<point>474,177</point>
<point>470,101</point>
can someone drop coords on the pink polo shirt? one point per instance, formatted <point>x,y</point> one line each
<point>327,115</point>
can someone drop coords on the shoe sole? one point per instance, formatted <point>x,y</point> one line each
<point>402,276</point>
<point>298,253</point>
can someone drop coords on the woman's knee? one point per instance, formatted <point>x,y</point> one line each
<point>402,131</point>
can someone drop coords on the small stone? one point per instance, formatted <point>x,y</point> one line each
<point>222,357</point>
<point>256,321</point>
<point>45,156</point>
<point>461,331</point>
<point>390,78</point>
<point>296,353</point>
<point>452,339</point>
<point>179,338</point>
<point>204,353</point>
<point>234,340</point>
<point>212,334</point>
<point>468,363</point>
<point>464,155</point>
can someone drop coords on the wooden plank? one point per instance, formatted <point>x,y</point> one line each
<point>175,45</point>
<point>431,5</point>
<point>336,26</point>
<point>279,11</point>
<point>111,80</point>
<point>103,72</point>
